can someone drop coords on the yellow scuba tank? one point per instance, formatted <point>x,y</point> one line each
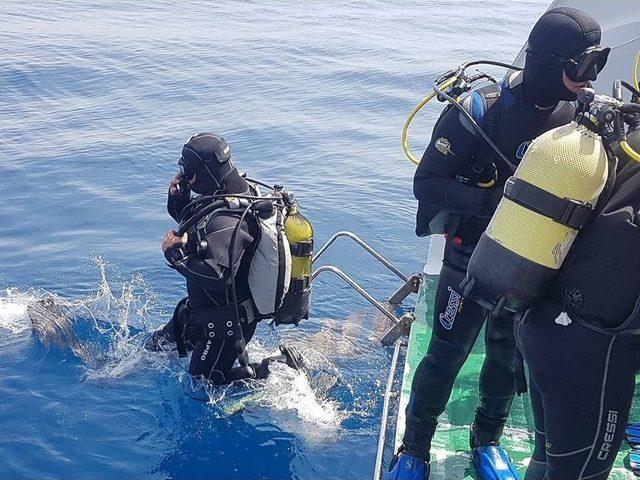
<point>299,232</point>
<point>545,203</point>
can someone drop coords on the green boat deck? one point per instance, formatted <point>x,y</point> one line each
<point>450,457</point>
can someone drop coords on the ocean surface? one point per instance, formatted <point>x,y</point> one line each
<point>97,98</point>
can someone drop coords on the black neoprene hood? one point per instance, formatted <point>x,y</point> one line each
<point>563,32</point>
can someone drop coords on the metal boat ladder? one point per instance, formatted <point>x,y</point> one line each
<point>411,284</point>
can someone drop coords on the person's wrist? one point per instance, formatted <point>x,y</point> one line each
<point>175,253</point>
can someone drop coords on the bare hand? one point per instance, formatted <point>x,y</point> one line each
<point>171,238</point>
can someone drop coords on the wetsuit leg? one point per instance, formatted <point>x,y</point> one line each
<point>497,381</point>
<point>538,465</point>
<point>165,338</point>
<point>456,325</point>
<point>586,380</point>
<point>214,360</point>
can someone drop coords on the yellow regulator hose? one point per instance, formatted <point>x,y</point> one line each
<point>626,148</point>
<point>636,64</point>
<point>407,123</point>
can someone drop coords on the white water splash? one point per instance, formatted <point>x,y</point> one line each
<point>114,310</point>
<point>111,325</point>
<point>13,310</point>
<point>285,391</point>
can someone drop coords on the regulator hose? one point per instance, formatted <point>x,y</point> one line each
<point>442,83</point>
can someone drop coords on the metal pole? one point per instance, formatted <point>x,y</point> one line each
<point>364,245</point>
<point>377,472</point>
<point>357,288</point>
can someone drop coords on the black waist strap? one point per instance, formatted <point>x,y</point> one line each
<point>566,211</point>
<point>213,323</point>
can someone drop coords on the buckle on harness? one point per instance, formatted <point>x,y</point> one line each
<point>575,214</point>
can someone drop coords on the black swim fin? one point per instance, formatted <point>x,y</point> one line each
<point>292,358</point>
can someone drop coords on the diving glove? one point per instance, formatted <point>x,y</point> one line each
<point>408,467</point>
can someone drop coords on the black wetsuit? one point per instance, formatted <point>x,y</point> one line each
<point>209,297</point>
<point>582,345</point>
<point>455,160</point>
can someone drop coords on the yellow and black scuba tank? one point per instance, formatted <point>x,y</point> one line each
<point>299,232</point>
<point>546,202</point>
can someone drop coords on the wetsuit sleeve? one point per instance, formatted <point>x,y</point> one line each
<point>175,204</point>
<point>435,182</point>
<point>210,270</point>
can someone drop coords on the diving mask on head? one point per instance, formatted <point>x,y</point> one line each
<point>582,67</point>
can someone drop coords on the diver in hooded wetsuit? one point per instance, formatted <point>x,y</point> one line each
<point>206,321</point>
<point>582,342</point>
<point>461,176</point>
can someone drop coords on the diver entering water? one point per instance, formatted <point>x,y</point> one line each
<point>459,184</point>
<point>218,253</point>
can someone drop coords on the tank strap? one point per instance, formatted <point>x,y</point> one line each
<point>302,248</point>
<point>566,211</point>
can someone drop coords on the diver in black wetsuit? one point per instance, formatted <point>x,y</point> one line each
<point>206,322</point>
<point>582,342</point>
<point>458,184</point>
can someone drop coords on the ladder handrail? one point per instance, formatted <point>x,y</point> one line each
<point>356,287</point>
<point>364,245</point>
<point>382,437</point>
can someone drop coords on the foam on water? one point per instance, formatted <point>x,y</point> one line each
<point>109,330</point>
<point>13,311</point>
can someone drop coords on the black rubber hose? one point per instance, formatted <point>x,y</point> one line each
<point>187,224</point>
<point>243,358</point>
<point>451,100</point>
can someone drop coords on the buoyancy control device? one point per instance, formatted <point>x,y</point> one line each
<point>279,271</point>
<point>551,196</point>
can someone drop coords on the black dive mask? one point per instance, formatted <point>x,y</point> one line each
<point>582,67</point>
<point>205,181</point>
<point>587,65</point>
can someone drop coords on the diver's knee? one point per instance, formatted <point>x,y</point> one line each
<point>444,355</point>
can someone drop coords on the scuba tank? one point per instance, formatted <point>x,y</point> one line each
<point>299,232</point>
<point>546,202</point>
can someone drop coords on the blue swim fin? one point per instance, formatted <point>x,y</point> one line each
<point>408,467</point>
<point>632,433</point>
<point>634,461</point>
<point>493,463</point>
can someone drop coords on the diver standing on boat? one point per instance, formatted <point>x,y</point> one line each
<point>458,184</point>
<point>209,322</point>
<point>582,340</point>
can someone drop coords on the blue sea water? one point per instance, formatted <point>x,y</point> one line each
<point>97,99</point>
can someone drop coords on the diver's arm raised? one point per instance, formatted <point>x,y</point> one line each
<point>178,196</point>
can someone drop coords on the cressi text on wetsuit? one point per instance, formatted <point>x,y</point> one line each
<point>582,345</point>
